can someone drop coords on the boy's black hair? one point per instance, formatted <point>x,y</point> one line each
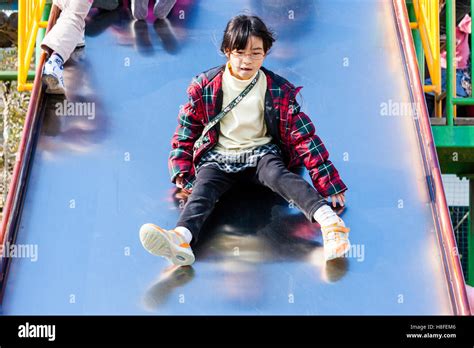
<point>240,28</point>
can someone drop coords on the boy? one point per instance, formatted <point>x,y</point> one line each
<point>259,138</point>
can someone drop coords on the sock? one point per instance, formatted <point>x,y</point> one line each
<point>325,216</point>
<point>185,232</point>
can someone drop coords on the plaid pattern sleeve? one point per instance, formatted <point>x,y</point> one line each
<point>309,147</point>
<point>190,127</point>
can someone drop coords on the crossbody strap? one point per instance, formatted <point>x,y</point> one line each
<point>226,110</point>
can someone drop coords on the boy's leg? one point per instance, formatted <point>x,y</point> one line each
<point>272,172</point>
<point>211,183</point>
<point>69,28</point>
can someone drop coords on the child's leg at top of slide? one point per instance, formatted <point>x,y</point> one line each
<point>62,39</point>
<point>161,9</point>
<point>140,9</point>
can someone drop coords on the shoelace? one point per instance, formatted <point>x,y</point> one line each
<point>335,236</point>
<point>334,232</point>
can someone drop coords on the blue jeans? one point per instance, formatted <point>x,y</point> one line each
<point>460,91</point>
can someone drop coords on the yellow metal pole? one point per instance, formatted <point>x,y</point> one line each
<point>31,44</point>
<point>437,61</point>
<point>39,11</point>
<point>29,21</point>
<point>21,40</point>
<point>427,16</point>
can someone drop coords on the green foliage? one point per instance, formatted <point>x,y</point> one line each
<point>13,107</point>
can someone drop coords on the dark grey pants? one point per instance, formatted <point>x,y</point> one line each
<point>211,183</point>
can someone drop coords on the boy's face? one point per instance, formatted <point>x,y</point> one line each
<point>245,63</point>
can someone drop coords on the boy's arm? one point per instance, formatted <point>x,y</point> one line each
<point>190,127</point>
<point>311,149</point>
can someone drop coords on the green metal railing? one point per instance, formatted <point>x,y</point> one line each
<point>454,140</point>
<point>451,99</point>
<point>459,139</point>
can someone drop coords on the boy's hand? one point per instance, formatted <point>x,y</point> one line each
<point>180,180</point>
<point>338,198</point>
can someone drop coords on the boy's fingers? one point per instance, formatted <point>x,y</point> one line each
<point>341,200</point>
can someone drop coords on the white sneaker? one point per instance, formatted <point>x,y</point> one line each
<point>163,8</point>
<point>336,240</point>
<point>167,243</point>
<point>53,75</point>
<point>140,9</point>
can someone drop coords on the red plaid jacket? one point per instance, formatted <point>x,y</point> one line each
<point>291,129</point>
